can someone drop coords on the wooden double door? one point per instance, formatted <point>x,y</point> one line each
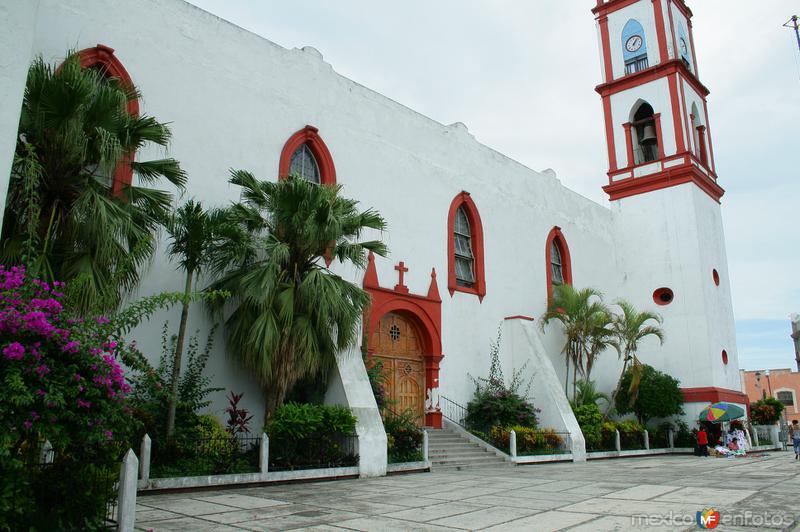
<point>397,344</point>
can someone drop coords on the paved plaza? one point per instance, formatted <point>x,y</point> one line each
<point>654,493</point>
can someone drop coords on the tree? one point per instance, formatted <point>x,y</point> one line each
<point>630,328</point>
<point>584,319</point>
<point>658,395</point>
<point>766,411</point>
<point>290,315</point>
<point>62,219</point>
<point>192,232</point>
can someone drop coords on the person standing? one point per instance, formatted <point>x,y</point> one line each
<point>794,434</point>
<point>702,442</point>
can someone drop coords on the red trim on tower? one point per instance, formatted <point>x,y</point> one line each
<point>102,57</point>
<point>629,142</point>
<point>662,70</point>
<point>479,287</point>
<point>660,135</point>
<point>712,394</point>
<point>701,134</point>
<point>604,7</point>
<point>686,121</point>
<point>676,113</point>
<point>612,148</point>
<point>671,177</point>
<point>691,43</point>
<point>672,29</point>
<point>661,30</point>
<point>712,162</point>
<point>605,40</point>
<point>557,236</point>
<point>309,136</point>
<point>426,313</point>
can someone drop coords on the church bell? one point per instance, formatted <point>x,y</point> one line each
<point>649,135</point>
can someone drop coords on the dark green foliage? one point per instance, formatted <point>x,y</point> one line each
<point>290,315</point>
<point>404,438</point>
<point>498,404</point>
<point>766,411</point>
<point>590,420</point>
<point>64,217</point>
<point>305,435</point>
<point>659,395</point>
<point>150,395</point>
<point>683,436</point>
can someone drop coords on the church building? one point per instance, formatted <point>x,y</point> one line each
<point>477,240</point>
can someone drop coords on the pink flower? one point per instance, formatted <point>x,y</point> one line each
<point>14,351</point>
<point>42,370</point>
<point>109,434</point>
<point>27,425</point>
<point>84,404</point>
<point>71,347</point>
<point>102,320</point>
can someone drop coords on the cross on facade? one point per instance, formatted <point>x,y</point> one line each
<point>401,268</point>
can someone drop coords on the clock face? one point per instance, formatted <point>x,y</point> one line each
<point>684,48</point>
<point>634,43</point>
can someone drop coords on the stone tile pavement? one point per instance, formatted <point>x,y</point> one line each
<point>650,493</point>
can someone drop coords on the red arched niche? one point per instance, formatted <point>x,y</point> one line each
<point>566,262</point>
<point>463,199</point>
<point>102,57</point>
<point>426,313</point>
<point>309,136</point>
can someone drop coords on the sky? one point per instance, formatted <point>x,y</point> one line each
<point>520,74</point>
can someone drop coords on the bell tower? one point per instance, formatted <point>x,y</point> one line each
<point>662,184</point>
<point>656,117</point>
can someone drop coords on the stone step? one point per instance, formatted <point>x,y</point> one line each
<point>447,444</point>
<point>466,459</point>
<point>464,467</point>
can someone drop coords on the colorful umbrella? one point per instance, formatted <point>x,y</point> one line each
<point>719,412</point>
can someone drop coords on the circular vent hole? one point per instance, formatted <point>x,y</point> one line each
<point>663,296</point>
<point>724,357</point>
<point>715,275</point>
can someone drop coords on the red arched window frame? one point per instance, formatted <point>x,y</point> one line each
<point>479,287</point>
<point>566,262</point>
<point>309,136</point>
<point>102,57</point>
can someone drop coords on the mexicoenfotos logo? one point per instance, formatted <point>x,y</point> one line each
<point>708,518</point>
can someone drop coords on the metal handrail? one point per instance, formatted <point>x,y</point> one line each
<point>453,411</point>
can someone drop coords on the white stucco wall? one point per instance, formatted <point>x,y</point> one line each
<point>16,53</point>
<point>644,14</point>
<point>234,98</point>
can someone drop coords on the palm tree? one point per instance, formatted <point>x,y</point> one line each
<point>588,394</point>
<point>290,315</point>
<point>193,232</point>
<point>62,219</point>
<point>583,316</point>
<point>630,328</point>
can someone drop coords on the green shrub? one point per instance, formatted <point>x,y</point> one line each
<point>766,411</point>
<point>529,440</point>
<point>590,420</point>
<point>307,435</point>
<point>404,438</point>
<point>657,395</point>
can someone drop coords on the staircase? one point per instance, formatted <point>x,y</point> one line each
<point>448,450</point>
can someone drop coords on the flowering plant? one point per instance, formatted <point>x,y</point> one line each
<point>62,383</point>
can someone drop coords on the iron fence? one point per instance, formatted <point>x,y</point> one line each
<point>453,411</point>
<point>45,490</point>
<point>186,457</point>
<point>544,442</point>
<point>631,440</point>
<point>607,442</point>
<point>318,451</point>
<point>659,438</point>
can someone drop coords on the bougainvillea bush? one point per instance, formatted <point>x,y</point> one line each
<point>61,381</point>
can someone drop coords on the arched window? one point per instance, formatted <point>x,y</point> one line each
<point>465,248</point>
<point>465,258</point>
<point>558,264</point>
<point>306,155</point>
<point>645,141</point>
<point>103,59</point>
<point>634,47</point>
<point>304,164</point>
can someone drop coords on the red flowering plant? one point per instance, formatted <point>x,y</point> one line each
<point>62,382</point>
